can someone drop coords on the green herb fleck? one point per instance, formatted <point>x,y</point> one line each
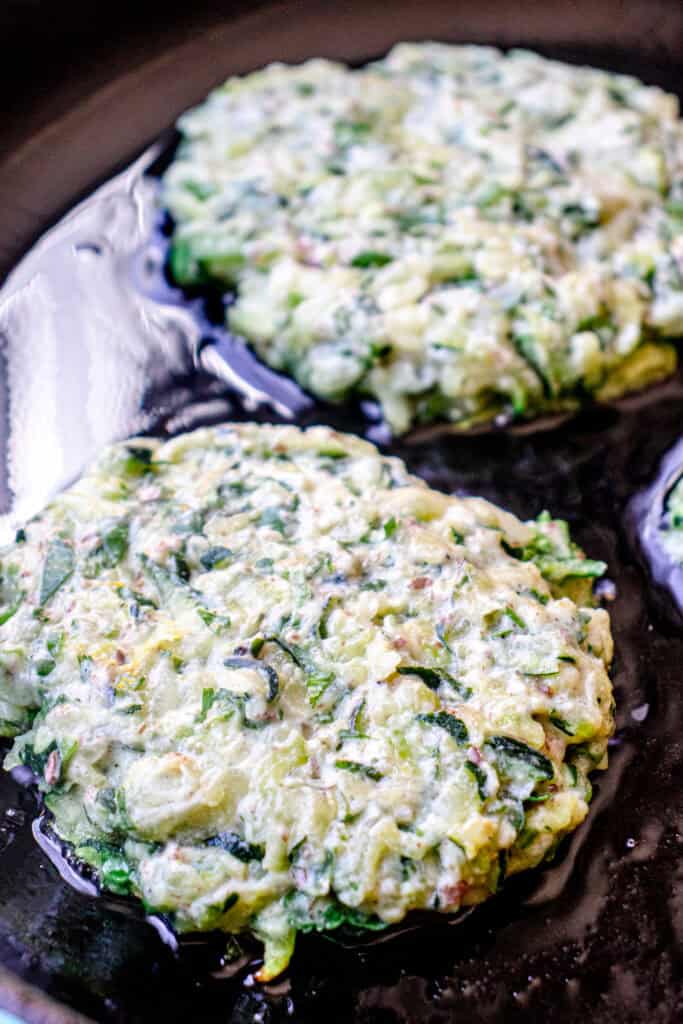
<point>237,846</point>
<point>390,527</point>
<point>359,769</point>
<point>479,776</point>
<point>561,723</point>
<point>267,672</point>
<point>331,603</point>
<point>272,518</point>
<point>138,462</point>
<point>433,678</point>
<point>371,258</point>
<point>111,549</point>
<point>9,612</point>
<point>511,753</point>
<point>59,565</point>
<point>216,558</point>
<point>452,725</point>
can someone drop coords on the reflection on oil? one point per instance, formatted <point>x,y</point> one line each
<point>89,358</point>
<point>51,848</point>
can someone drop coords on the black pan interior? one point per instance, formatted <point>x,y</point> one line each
<point>599,932</point>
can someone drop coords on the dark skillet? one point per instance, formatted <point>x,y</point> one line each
<point>599,934</point>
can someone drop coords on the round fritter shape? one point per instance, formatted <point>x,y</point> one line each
<point>460,234</point>
<point>270,681</point>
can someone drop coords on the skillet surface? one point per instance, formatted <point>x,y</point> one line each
<point>95,346</point>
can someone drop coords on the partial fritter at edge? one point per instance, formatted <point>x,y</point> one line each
<point>270,681</point>
<point>458,233</point>
<point>670,532</point>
